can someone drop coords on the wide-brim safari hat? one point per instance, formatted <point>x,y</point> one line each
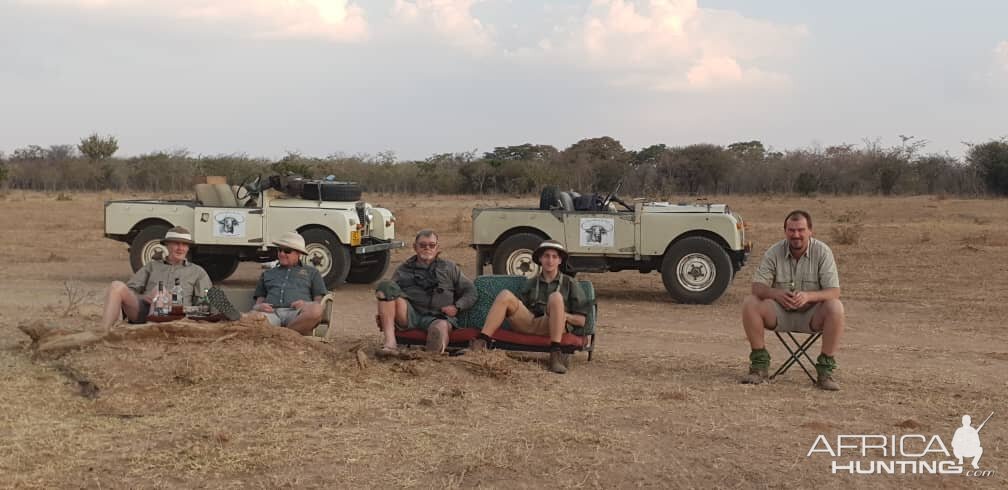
<point>549,245</point>
<point>291,240</point>
<point>177,234</point>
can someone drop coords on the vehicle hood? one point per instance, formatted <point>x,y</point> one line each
<point>667,207</point>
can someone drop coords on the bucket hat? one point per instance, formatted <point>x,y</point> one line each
<point>549,245</point>
<point>291,240</point>
<point>177,234</point>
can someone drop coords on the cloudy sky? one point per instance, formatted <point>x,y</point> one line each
<point>418,77</point>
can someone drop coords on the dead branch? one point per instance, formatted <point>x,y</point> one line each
<point>75,297</point>
<point>54,340</point>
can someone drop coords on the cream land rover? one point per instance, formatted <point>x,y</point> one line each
<point>347,239</point>
<point>697,247</point>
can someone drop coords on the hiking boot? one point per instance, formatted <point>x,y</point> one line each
<point>220,302</point>
<point>825,382</point>
<point>556,362</point>
<point>824,369</point>
<point>435,340</point>
<point>757,375</point>
<point>386,352</point>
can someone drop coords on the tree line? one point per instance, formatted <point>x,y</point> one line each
<point>590,165</point>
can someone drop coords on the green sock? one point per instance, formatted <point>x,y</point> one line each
<point>759,358</point>
<point>825,364</point>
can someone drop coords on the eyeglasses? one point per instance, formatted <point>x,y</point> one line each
<point>426,245</point>
<point>286,250</point>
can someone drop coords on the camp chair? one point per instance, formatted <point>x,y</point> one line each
<point>471,320</point>
<point>797,348</point>
<point>242,300</point>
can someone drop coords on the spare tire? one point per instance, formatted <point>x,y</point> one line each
<point>331,191</point>
<point>549,198</point>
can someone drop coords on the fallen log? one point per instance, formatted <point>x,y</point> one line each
<point>55,340</point>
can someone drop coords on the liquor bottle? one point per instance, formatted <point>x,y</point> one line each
<point>176,293</point>
<point>176,298</point>
<point>204,302</point>
<point>162,302</point>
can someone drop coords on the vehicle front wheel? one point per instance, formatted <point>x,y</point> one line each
<point>369,268</point>
<point>696,270</point>
<point>146,246</point>
<point>514,255</point>
<point>328,255</point>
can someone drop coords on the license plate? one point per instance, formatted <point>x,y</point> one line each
<point>355,238</point>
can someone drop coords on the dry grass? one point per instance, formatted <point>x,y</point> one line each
<point>659,406</point>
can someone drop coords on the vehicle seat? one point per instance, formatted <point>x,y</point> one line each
<point>566,202</point>
<point>207,195</point>
<point>225,196</point>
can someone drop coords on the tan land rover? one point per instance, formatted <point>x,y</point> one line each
<point>347,239</point>
<point>698,247</point>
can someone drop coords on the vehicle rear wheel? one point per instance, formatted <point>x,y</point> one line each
<point>328,255</point>
<point>146,246</point>
<point>218,267</point>
<point>696,270</point>
<point>369,268</point>
<point>514,255</point>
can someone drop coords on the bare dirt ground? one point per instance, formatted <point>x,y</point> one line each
<point>659,406</point>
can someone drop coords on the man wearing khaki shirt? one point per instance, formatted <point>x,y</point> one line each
<point>795,289</point>
<point>134,298</point>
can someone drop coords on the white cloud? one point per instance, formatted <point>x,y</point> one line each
<point>1001,55</point>
<point>452,20</point>
<point>676,45</point>
<point>336,20</point>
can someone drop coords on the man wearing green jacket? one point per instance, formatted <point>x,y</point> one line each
<point>426,292</point>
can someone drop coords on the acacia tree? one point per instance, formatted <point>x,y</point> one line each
<point>990,160</point>
<point>98,148</point>
<point>596,162</point>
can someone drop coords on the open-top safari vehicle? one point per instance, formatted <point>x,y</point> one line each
<point>347,239</point>
<point>698,247</point>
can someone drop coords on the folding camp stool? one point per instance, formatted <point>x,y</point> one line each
<point>798,349</point>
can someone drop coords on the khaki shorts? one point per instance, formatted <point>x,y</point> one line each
<point>281,317</point>
<point>539,326</point>
<point>415,319</point>
<point>794,321</point>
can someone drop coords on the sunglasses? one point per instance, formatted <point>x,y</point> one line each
<point>426,245</point>
<point>286,250</point>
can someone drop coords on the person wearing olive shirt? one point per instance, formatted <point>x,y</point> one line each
<point>133,299</point>
<point>549,304</point>
<point>426,292</point>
